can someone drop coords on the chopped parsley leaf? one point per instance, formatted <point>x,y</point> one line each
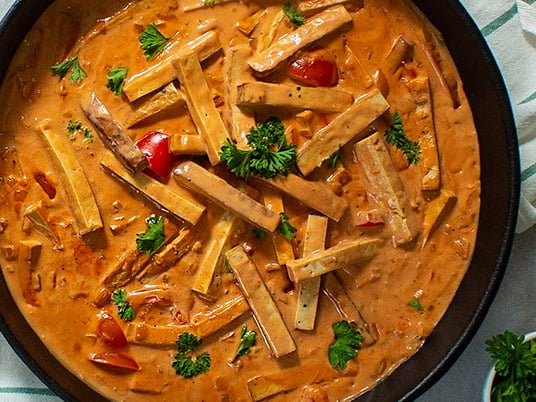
<point>124,310</point>
<point>150,241</point>
<point>74,127</point>
<point>186,365</point>
<point>395,135</point>
<point>284,228</point>
<point>416,304</point>
<point>248,339</point>
<point>152,41</point>
<point>347,342</point>
<point>116,80</point>
<point>61,69</point>
<point>294,15</point>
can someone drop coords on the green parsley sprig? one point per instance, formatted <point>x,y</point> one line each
<point>152,41</point>
<point>294,15</point>
<point>347,342</point>
<point>186,365</point>
<point>515,366</point>
<point>74,127</point>
<point>116,79</point>
<point>124,310</point>
<point>269,154</point>
<point>395,135</point>
<point>248,339</point>
<point>150,241</point>
<point>284,228</point>
<point>61,69</point>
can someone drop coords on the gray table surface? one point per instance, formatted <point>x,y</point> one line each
<point>513,308</point>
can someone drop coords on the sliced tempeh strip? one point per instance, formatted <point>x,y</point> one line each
<point>201,106</point>
<point>113,135</point>
<point>226,196</point>
<point>314,372</point>
<point>187,144</point>
<point>239,121</point>
<point>424,127</point>
<point>132,262</point>
<point>435,209</point>
<point>169,96</point>
<point>168,257</point>
<point>263,307</point>
<point>29,251</point>
<point>163,72</point>
<point>315,195</point>
<point>344,128</point>
<point>323,261</point>
<point>314,29</point>
<point>182,205</point>
<point>283,248</point>
<point>203,324</point>
<point>292,97</point>
<point>218,237</point>
<point>399,52</point>
<point>386,187</point>
<point>34,213</point>
<point>268,28</point>
<point>85,210</point>
<point>309,289</point>
<point>308,7</point>
<point>334,290</point>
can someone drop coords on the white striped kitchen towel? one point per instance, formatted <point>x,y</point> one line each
<point>509,27</point>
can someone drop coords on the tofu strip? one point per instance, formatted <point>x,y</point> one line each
<point>29,251</point>
<point>263,307</point>
<point>265,385</point>
<point>181,205</point>
<point>344,128</point>
<point>113,135</point>
<point>315,195</point>
<point>201,105</point>
<point>202,325</point>
<point>320,25</point>
<point>309,289</point>
<point>187,144</point>
<point>334,290</point>
<point>213,187</point>
<point>168,97</point>
<point>292,97</point>
<point>163,72</point>
<point>82,201</point>
<point>283,248</point>
<point>308,7</point>
<point>218,237</point>
<point>424,126</point>
<point>324,261</point>
<point>386,187</point>
<point>239,121</point>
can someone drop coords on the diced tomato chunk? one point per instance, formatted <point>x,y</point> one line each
<point>155,147</point>
<point>115,360</point>
<point>315,68</point>
<point>110,331</point>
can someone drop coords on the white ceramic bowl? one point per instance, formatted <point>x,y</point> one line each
<point>486,392</point>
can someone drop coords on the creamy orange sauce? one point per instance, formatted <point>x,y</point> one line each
<point>63,295</point>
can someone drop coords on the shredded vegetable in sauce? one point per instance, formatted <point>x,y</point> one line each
<point>235,201</point>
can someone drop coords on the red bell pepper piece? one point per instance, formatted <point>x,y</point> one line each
<point>314,68</point>
<point>155,147</point>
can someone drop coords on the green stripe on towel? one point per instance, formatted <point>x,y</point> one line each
<point>499,21</point>
<point>26,390</point>
<point>528,172</point>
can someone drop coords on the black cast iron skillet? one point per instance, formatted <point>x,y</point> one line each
<point>500,197</point>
